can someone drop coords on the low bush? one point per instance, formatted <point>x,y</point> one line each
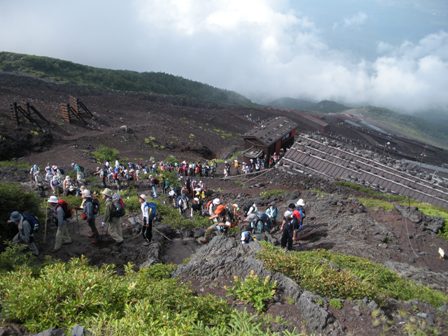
<point>253,290</point>
<point>104,153</point>
<point>143,302</point>
<point>336,275</point>
<point>271,193</point>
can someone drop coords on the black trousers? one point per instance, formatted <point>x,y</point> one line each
<point>147,230</point>
<point>286,240</point>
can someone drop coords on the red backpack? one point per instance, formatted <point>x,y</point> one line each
<point>66,207</point>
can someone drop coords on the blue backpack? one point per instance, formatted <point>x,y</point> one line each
<point>152,209</point>
<point>33,220</point>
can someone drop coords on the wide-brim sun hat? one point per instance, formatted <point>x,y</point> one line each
<point>142,196</point>
<point>300,202</point>
<point>86,193</point>
<point>107,192</point>
<point>53,199</point>
<point>216,201</point>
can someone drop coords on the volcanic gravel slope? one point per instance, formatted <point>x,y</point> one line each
<point>335,218</point>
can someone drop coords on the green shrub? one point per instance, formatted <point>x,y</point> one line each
<point>14,164</point>
<point>336,275</point>
<point>272,193</point>
<point>336,304</point>
<point>13,197</point>
<point>253,290</point>
<point>104,153</point>
<point>376,203</point>
<point>14,257</point>
<point>137,303</point>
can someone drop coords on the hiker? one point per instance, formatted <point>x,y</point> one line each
<point>183,201</point>
<point>221,222</point>
<point>299,213</point>
<point>260,224</point>
<point>246,234</point>
<point>211,206</point>
<point>196,207</point>
<point>33,172</point>
<point>112,217</point>
<point>60,216</point>
<point>287,228</point>
<point>55,185</point>
<point>148,217</point>
<point>26,231</point>
<point>153,185</point>
<point>272,212</point>
<point>252,209</point>
<point>89,215</point>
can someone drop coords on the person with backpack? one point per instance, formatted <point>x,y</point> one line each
<point>260,224</point>
<point>148,215</point>
<point>272,212</point>
<point>113,214</point>
<point>60,213</point>
<point>299,213</point>
<point>287,228</point>
<point>221,222</point>
<point>27,224</point>
<point>90,210</point>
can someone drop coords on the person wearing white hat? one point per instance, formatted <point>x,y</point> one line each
<point>88,214</point>
<point>62,233</point>
<point>288,230</point>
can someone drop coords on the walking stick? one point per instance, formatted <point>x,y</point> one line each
<point>46,220</point>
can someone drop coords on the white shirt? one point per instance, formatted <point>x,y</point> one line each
<point>144,207</point>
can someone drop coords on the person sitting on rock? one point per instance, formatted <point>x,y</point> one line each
<point>222,224</point>
<point>25,233</point>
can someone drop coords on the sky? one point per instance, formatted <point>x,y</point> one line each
<point>388,53</point>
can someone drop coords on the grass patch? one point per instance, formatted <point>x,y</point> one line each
<point>271,193</point>
<point>15,164</point>
<point>375,203</point>
<point>336,275</point>
<point>372,193</point>
<point>223,134</point>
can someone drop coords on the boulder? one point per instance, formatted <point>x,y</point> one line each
<point>225,257</point>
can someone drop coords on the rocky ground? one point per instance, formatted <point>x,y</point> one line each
<point>403,239</point>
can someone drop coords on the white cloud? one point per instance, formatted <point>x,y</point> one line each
<point>255,47</point>
<point>355,20</point>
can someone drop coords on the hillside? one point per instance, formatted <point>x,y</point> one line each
<point>324,106</point>
<point>428,127</point>
<point>122,80</point>
<point>418,127</point>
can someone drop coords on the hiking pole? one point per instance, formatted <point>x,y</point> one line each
<point>46,220</point>
<point>162,234</point>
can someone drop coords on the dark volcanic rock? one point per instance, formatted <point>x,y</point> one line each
<point>225,257</point>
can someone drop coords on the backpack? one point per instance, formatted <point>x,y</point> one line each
<point>258,227</point>
<point>96,206</point>
<point>33,220</point>
<point>152,210</point>
<point>66,207</point>
<point>81,169</point>
<point>119,210</point>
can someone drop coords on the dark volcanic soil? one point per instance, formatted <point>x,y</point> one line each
<point>335,219</point>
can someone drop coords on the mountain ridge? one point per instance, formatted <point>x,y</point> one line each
<point>62,71</point>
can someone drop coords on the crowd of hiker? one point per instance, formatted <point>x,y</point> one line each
<point>189,195</point>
